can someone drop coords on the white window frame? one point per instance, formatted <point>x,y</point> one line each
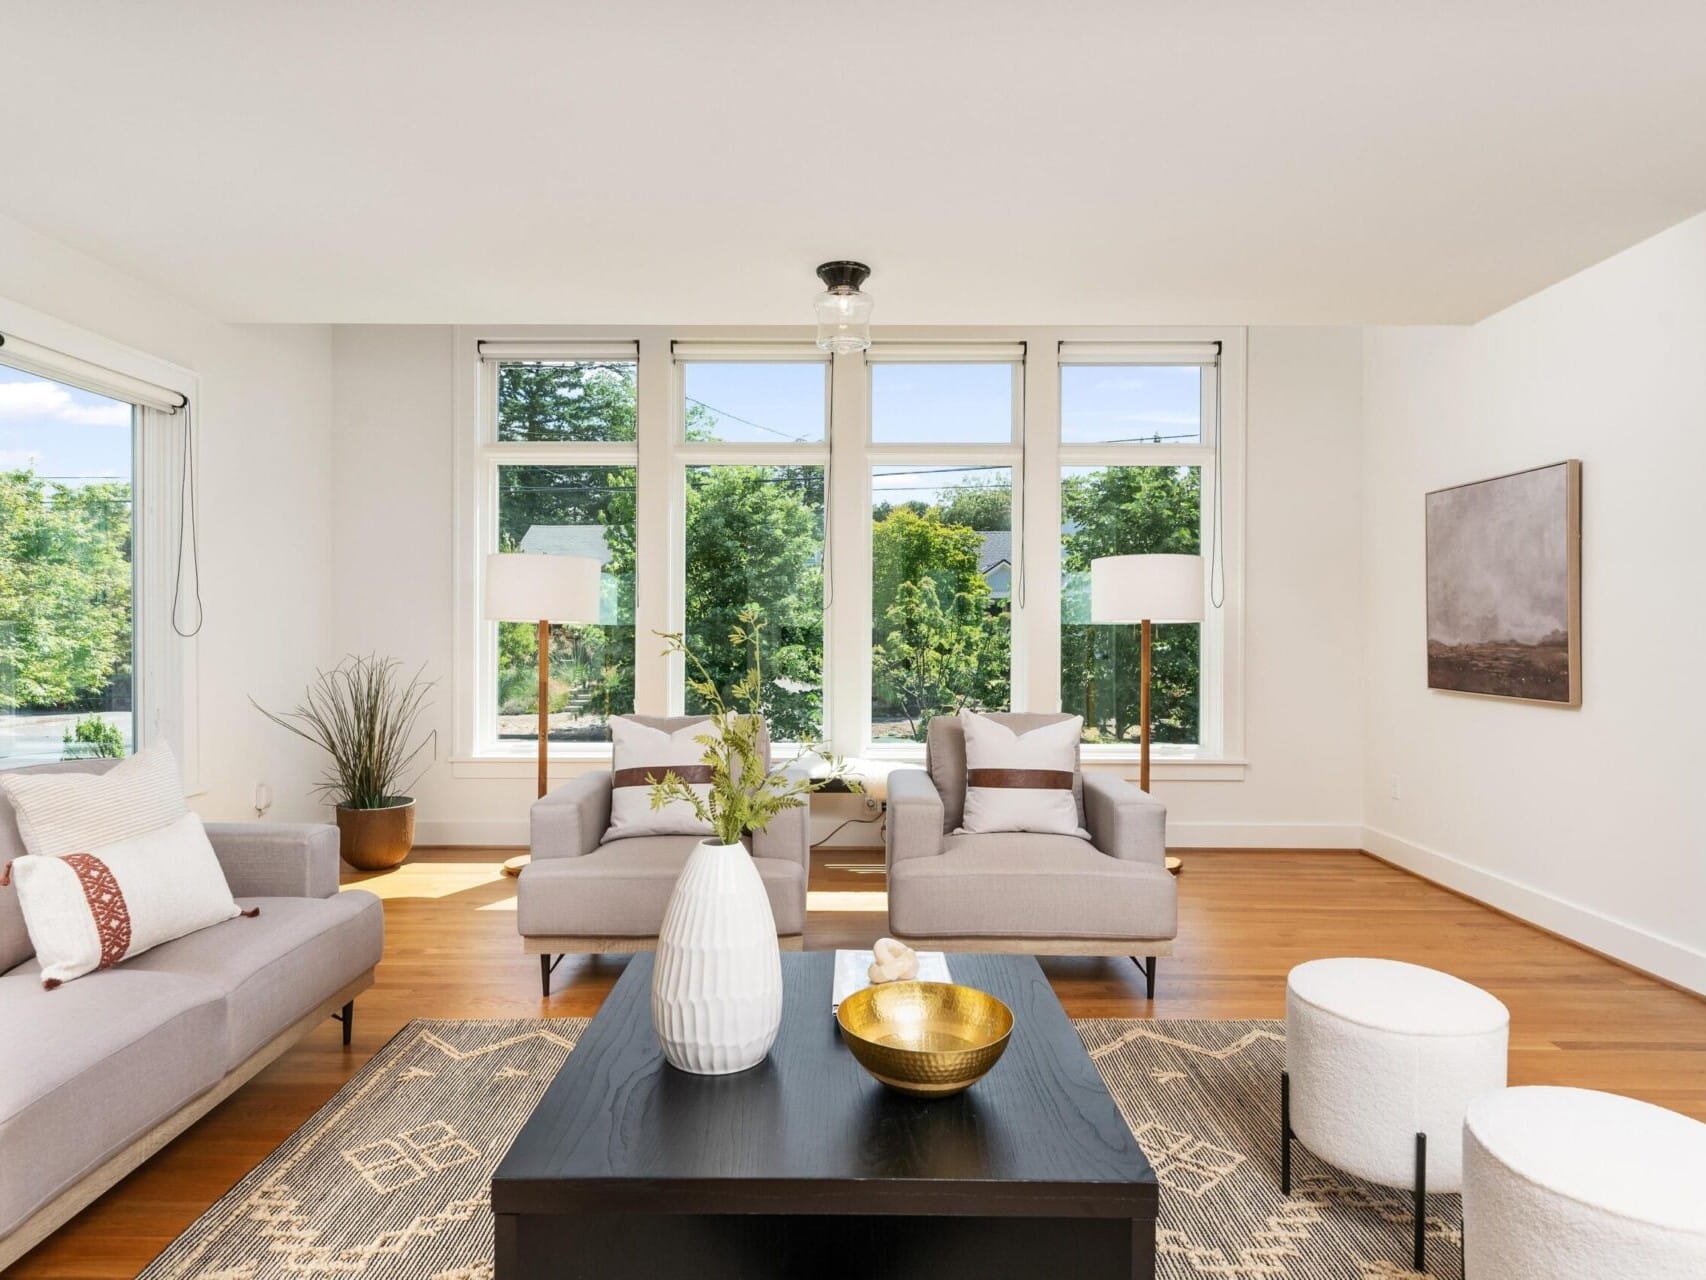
<point>1036,456</point>
<point>1009,454</point>
<point>165,694</point>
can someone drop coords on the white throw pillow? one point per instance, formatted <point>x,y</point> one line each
<point>1021,781</point>
<point>88,911</point>
<point>60,813</point>
<point>639,752</point>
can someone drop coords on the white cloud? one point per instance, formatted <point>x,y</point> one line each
<point>24,401</point>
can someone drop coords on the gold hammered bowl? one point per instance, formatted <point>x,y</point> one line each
<point>929,1039</point>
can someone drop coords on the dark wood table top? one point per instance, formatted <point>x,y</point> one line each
<point>808,1132</point>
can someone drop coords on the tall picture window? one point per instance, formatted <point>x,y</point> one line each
<point>67,635</point>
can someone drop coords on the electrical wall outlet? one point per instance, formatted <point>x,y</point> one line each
<point>263,799</point>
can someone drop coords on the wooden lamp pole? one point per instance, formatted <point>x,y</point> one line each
<point>1146,589</point>
<point>542,589</point>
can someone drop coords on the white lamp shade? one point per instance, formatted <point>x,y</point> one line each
<point>542,588</point>
<point>1146,588</point>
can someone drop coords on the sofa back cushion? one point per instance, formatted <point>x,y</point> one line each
<point>945,759</point>
<point>15,945</point>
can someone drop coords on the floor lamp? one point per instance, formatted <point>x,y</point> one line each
<point>1146,590</point>
<point>542,589</point>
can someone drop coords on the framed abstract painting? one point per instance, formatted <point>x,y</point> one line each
<point>1504,582</point>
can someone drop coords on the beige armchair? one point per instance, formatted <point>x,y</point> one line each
<point>1026,892</point>
<point>584,894</point>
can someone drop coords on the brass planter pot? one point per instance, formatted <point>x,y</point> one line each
<point>377,839</point>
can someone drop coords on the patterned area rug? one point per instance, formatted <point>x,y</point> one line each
<point>390,1179</point>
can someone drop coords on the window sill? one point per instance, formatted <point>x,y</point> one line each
<point>1164,765</point>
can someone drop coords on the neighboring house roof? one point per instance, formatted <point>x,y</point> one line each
<point>997,550</point>
<point>567,540</point>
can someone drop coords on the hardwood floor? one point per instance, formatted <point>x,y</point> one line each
<point>1245,918</point>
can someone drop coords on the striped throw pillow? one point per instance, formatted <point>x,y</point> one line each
<point>61,813</point>
<point>1021,781</point>
<point>640,753</point>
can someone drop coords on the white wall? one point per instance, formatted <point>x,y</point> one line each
<point>392,477</point>
<point>1587,822</point>
<point>264,424</point>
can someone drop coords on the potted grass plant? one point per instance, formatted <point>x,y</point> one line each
<point>717,982</point>
<point>365,714</point>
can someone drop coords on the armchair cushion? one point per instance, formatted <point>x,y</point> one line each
<point>915,822</point>
<point>1030,886</point>
<point>620,890</point>
<point>788,837</point>
<point>1124,821</point>
<point>945,759</point>
<point>1021,780</point>
<point>570,821</point>
<point>642,754</point>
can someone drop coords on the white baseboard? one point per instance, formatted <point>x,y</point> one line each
<point>1617,939</point>
<point>472,831</point>
<point>1263,835</point>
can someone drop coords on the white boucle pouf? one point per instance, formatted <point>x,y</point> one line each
<point>1377,1051</point>
<point>1567,1184</point>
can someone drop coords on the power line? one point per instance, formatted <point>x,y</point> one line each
<point>759,426</point>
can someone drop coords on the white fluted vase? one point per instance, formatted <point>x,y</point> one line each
<point>717,984</point>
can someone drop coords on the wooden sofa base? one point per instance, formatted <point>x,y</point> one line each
<point>563,944</point>
<point>1046,946</point>
<point>91,1186</point>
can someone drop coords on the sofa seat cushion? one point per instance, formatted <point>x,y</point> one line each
<point>273,969</point>
<point>620,890</point>
<point>1017,885</point>
<point>89,1067</point>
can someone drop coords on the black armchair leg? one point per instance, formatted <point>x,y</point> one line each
<point>1421,1199</point>
<point>547,966</point>
<point>1285,1133</point>
<point>346,1015</point>
<point>1147,964</point>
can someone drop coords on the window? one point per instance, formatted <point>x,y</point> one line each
<point>67,651</point>
<point>712,474</point>
<point>572,511</point>
<point>1131,404</point>
<point>755,538</point>
<point>768,403</point>
<point>1110,511</point>
<point>941,594</point>
<point>948,403</point>
<point>583,400</point>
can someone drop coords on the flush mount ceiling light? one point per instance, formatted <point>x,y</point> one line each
<point>843,313</point>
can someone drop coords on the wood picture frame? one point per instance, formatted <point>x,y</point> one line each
<point>1503,581</point>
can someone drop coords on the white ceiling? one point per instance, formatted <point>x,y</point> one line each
<point>1145,161</point>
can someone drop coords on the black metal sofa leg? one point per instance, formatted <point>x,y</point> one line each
<point>1285,1133</point>
<point>346,1015</point>
<point>1147,964</point>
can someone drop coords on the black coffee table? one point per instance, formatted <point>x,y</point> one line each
<point>805,1166</point>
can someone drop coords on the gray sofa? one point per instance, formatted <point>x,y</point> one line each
<point>102,1072</point>
<point>582,893</point>
<point>1023,892</point>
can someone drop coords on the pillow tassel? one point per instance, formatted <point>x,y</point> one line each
<point>5,875</point>
<point>48,984</point>
<point>251,913</point>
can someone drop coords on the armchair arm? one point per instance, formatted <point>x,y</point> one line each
<point>571,821</point>
<point>914,828</point>
<point>789,835</point>
<point>277,859</point>
<point>1124,822</point>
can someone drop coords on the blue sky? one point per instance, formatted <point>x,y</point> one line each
<point>1105,404</point>
<point>59,431</point>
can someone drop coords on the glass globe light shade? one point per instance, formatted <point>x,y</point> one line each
<point>843,320</point>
